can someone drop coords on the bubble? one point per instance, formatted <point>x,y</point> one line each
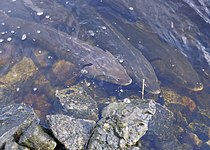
<point>84,71</point>
<point>40,13</point>
<point>17,89</point>
<point>2,23</point>
<point>47,16</point>
<point>103,27</point>
<point>3,33</point>
<point>88,84</point>
<point>1,40</point>
<point>23,37</point>
<point>126,100</point>
<point>121,60</point>
<point>38,31</point>
<point>91,32</point>
<point>49,57</point>
<point>35,89</point>
<point>12,31</point>
<point>130,8</point>
<point>9,39</point>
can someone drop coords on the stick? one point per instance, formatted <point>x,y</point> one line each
<point>142,91</point>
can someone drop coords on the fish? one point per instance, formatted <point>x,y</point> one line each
<point>171,63</point>
<point>95,62</point>
<point>97,31</point>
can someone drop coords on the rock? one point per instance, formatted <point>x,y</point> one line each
<point>200,129</point>
<point>162,131</point>
<point>72,133</point>
<point>40,103</point>
<point>172,97</point>
<point>161,124</point>
<point>65,72</point>
<point>203,115</point>
<point>14,119</point>
<point>35,138</point>
<point>78,103</point>
<point>12,145</point>
<point>19,73</point>
<point>122,124</point>
<point>195,139</point>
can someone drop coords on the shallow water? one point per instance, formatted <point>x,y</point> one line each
<point>31,73</point>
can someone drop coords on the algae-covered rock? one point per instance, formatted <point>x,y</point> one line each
<point>65,72</point>
<point>122,124</point>
<point>19,73</point>
<point>200,129</point>
<point>72,133</point>
<point>35,138</point>
<point>171,97</point>
<point>77,102</point>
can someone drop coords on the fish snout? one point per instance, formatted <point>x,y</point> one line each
<point>153,89</point>
<point>124,81</point>
<point>197,87</point>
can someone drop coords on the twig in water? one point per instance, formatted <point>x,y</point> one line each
<point>142,91</point>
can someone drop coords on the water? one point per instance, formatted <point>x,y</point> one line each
<point>31,72</point>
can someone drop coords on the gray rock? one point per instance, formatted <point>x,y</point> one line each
<point>162,130</point>
<point>122,124</point>
<point>14,119</point>
<point>35,138</point>
<point>161,124</point>
<point>12,145</point>
<point>76,101</point>
<point>72,133</point>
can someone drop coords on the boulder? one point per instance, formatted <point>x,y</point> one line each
<point>122,124</point>
<point>71,132</point>
<point>14,119</point>
<point>78,102</point>
<point>35,138</point>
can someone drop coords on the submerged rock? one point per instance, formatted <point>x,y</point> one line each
<point>200,129</point>
<point>78,103</point>
<point>122,124</point>
<point>72,133</point>
<point>162,131</point>
<point>171,97</point>
<point>19,73</point>
<point>14,119</point>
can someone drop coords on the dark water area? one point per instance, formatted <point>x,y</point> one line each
<point>103,45</point>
